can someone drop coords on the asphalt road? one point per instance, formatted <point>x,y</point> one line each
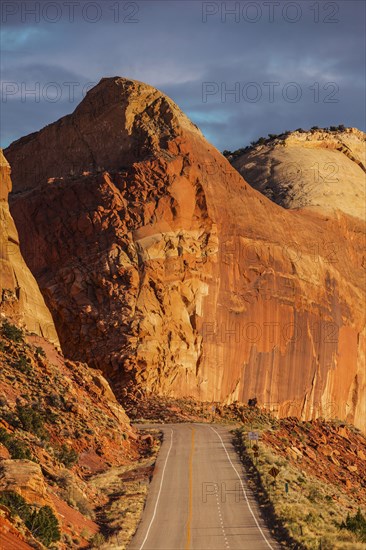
<point>198,498</point>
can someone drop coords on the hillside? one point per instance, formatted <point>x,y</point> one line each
<point>163,268</point>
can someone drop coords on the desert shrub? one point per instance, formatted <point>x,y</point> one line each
<point>97,540</point>
<point>56,400</point>
<point>314,494</point>
<point>66,455</point>
<point>12,332</point>
<point>31,421</point>
<point>44,525</point>
<point>16,504</point>
<point>22,365</point>
<point>40,351</point>
<point>356,524</point>
<point>50,416</point>
<point>261,141</point>
<point>272,136</point>
<point>341,127</point>
<point>11,418</point>
<point>17,449</point>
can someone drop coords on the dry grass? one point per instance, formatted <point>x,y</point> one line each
<point>125,489</point>
<point>311,509</point>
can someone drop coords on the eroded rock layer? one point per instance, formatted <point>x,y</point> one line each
<point>20,296</point>
<point>319,169</point>
<point>165,269</point>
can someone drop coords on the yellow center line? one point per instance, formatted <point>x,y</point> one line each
<point>188,540</point>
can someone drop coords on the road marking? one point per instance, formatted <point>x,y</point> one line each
<point>188,540</point>
<point>220,516</point>
<point>158,497</point>
<point>243,489</point>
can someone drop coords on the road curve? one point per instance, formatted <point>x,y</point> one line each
<point>198,498</point>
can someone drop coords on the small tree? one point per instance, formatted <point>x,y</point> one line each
<point>31,420</point>
<point>12,332</point>
<point>44,525</point>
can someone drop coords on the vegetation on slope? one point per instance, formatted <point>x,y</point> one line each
<point>311,477</point>
<point>62,437</point>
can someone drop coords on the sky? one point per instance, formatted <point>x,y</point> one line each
<point>239,70</point>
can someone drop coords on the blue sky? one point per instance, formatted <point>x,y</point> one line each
<point>286,64</point>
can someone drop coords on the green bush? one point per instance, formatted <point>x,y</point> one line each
<point>356,524</point>
<point>12,332</point>
<point>22,365</point>
<point>42,523</point>
<point>261,141</point>
<point>31,421</point>
<point>40,351</point>
<point>16,504</point>
<point>67,456</point>
<point>17,449</point>
<point>11,418</point>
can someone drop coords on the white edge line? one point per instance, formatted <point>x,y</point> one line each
<point>243,489</point>
<point>158,497</point>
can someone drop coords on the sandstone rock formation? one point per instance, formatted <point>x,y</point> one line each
<point>25,477</point>
<point>60,424</point>
<point>165,269</point>
<point>319,169</point>
<point>20,296</point>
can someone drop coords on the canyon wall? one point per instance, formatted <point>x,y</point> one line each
<point>165,269</point>
<point>20,296</point>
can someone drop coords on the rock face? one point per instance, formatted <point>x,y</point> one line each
<point>25,477</point>
<point>20,296</point>
<point>319,169</point>
<point>165,269</point>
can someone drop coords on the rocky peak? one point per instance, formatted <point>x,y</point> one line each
<point>166,270</point>
<point>320,169</point>
<point>119,122</point>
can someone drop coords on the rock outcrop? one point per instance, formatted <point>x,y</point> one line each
<point>60,424</point>
<point>166,270</point>
<point>20,296</point>
<point>319,169</point>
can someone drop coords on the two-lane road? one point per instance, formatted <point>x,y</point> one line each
<point>198,498</point>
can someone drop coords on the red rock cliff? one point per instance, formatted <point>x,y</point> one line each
<point>164,268</point>
<point>20,296</point>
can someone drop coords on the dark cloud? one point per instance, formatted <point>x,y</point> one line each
<point>171,47</point>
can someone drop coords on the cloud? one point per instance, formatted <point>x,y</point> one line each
<point>171,48</point>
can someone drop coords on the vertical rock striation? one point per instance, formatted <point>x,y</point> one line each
<point>165,269</point>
